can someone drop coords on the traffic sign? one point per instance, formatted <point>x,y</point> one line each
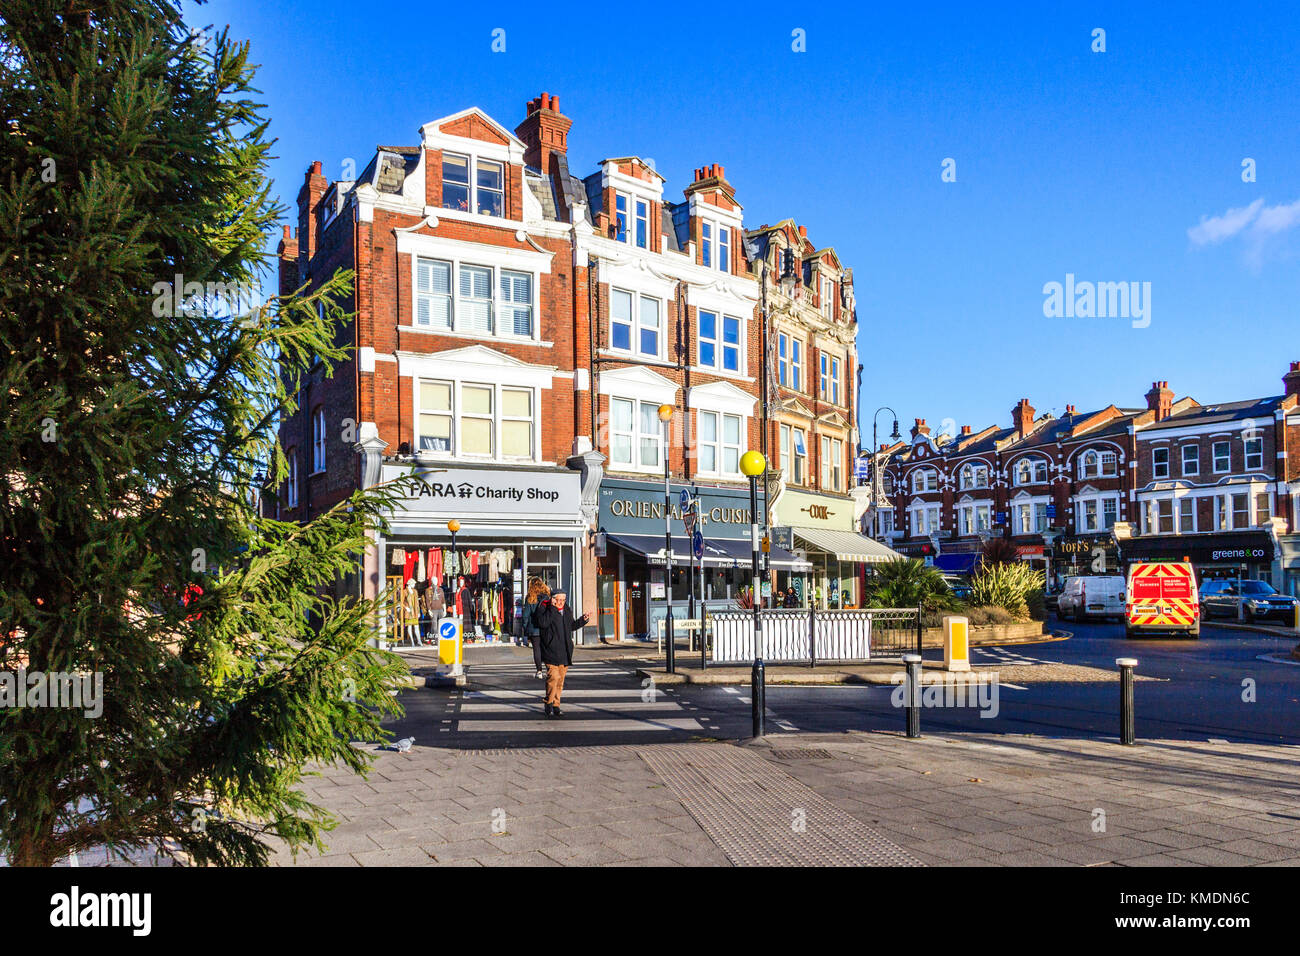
<point>688,519</point>
<point>685,499</point>
<point>697,544</point>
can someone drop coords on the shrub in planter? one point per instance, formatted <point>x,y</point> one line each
<point>907,583</point>
<point>986,616</point>
<point>1007,586</point>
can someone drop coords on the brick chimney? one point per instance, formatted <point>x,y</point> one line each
<point>287,252</point>
<point>1160,400</point>
<point>313,187</point>
<point>1069,411</point>
<point>1022,417</point>
<point>544,131</point>
<point>965,430</point>
<point>1291,380</point>
<point>920,428</point>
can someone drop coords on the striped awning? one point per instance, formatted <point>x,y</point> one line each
<point>847,545</point>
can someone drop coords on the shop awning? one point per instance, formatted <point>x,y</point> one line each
<point>847,545</point>
<point>718,552</point>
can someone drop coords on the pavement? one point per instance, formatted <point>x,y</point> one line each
<point>845,799</point>
<point>641,774</point>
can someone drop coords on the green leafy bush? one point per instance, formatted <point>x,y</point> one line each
<point>985,616</point>
<point>1007,586</point>
<point>907,583</point>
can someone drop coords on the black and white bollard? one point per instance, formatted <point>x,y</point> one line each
<point>1126,665</point>
<point>758,696</point>
<point>912,702</point>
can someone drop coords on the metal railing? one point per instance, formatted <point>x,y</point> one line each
<point>813,636</point>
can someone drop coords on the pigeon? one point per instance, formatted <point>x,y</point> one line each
<point>404,745</point>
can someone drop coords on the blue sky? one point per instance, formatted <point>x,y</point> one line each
<point>1117,166</point>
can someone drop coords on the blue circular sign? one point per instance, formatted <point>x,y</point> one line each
<point>447,630</point>
<point>697,543</point>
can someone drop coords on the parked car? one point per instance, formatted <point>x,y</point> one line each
<point>1094,595</point>
<point>1161,596</point>
<point>959,585</point>
<point>1258,599</point>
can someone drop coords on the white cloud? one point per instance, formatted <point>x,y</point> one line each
<point>1275,219</point>
<point>1218,228</point>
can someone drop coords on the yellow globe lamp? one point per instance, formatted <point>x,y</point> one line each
<point>752,464</point>
<point>453,525</point>
<point>665,412</point>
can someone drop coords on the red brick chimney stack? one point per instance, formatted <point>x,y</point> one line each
<point>1160,400</point>
<point>1022,417</point>
<point>920,428</point>
<point>1291,380</point>
<point>544,131</point>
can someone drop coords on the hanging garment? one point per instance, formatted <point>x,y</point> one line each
<point>507,560</point>
<point>419,567</point>
<point>494,563</point>
<point>435,565</point>
<point>452,562</point>
<point>473,561</point>
<point>409,568</point>
<point>399,557</point>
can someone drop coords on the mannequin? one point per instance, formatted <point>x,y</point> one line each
<point>411,614</point>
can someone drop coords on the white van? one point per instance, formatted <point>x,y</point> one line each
<point>1095,595</point>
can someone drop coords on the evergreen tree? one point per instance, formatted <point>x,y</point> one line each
<point>133,157</point>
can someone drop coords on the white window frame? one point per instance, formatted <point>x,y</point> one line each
<point>457,415</point>
<point>318,449</point>
<point>637,436</point>
<point>969,518</point>
<point>635,321</point>
<point>925,474</point>
<point>827,292</point>
<point>1032,464</point>
<point>1258,455</point>
<point>291,498</point>
<point>1156,465</point>
<point>497,304</point>
<point>472,163</point>
<point>1182,502</point>
<point>1215,447</point>
<point>967,478</point>
<point>832,463</point>
<point>1195,461</point>
<point>720,445</point>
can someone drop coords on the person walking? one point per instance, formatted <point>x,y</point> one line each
<point>555,624</point>
<point>790,599</point>
<point>537,592</point>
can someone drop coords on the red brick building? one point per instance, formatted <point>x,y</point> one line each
<point>1087,492</point>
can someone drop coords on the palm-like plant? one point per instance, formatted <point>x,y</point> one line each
<point>907,583</point>
<point>999,551</point>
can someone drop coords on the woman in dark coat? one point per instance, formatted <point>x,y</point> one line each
<point>555,626</point>
<point>537,592</point>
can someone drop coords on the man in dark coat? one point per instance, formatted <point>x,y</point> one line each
<point>555,625</point>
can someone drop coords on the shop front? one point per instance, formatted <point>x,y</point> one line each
<point>514,524</point>
<point>633,590</point>
<point>820,529</point>
<point>1290,559</point>
<point>1084,554</point>
<point>1249,554</point>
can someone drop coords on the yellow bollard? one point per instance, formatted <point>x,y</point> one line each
<point>956,643</point>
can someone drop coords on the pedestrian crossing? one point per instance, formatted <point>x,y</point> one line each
<point>1002,655</point>
<point>505,700</point>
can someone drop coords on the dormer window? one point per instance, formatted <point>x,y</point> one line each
<point>706,244</point>
<point>486,195</point>
<point>828,294</point>
<point>724,249</point>
<point>642,224</point>
<point>620,217</point>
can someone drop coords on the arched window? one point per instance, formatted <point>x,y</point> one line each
<point>974,476</point>
<point>925,479</point>
<point>1030,471</point>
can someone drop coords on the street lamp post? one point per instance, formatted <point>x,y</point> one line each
<point>753,464</point>
<point>875,460</point>
<point>666,416</point>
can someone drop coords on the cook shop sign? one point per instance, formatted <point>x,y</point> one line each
<point>489,491</point>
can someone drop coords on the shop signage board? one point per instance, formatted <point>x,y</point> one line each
<point>457,491</point>
<point>803,510</point>
<point>632,507</point>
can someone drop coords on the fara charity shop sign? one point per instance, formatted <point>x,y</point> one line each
<point>491,491</point>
